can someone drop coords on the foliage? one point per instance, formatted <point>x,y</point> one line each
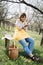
<point>21,60</point>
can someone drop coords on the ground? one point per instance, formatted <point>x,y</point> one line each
<point>21,60</point>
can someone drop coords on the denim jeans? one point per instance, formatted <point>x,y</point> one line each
<point>27,48</point>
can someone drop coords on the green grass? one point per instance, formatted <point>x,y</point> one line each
<point>21,60</point>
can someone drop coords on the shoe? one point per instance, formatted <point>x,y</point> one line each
<point>36,58</point>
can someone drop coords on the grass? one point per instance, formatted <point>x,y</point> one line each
<point>21,60</point>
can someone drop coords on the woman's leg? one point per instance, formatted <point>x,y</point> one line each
<point>31,43</point>
<point>26,49</point>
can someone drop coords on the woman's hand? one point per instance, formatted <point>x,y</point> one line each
<point>25,27</point>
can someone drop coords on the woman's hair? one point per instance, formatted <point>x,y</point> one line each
<point>22,15</point>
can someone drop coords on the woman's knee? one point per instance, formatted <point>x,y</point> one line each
<point>32,40</point>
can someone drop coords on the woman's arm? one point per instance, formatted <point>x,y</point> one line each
<point>25,25</point>
<point>19,25</point>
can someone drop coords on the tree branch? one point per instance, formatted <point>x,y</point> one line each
<point>11,1</point>
<point>25,4</point>
<point>33,7</point>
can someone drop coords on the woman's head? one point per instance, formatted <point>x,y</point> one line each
<point>23,17</point>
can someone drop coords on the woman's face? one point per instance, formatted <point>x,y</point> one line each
<point>23,19</point>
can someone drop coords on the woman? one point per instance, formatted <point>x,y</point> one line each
<point>22,36</point>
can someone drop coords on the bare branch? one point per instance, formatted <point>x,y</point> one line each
<point>11,1</point>
<point>33,7</point>
<point>25,4</point>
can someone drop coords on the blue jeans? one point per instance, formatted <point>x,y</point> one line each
<point>27,48</point>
